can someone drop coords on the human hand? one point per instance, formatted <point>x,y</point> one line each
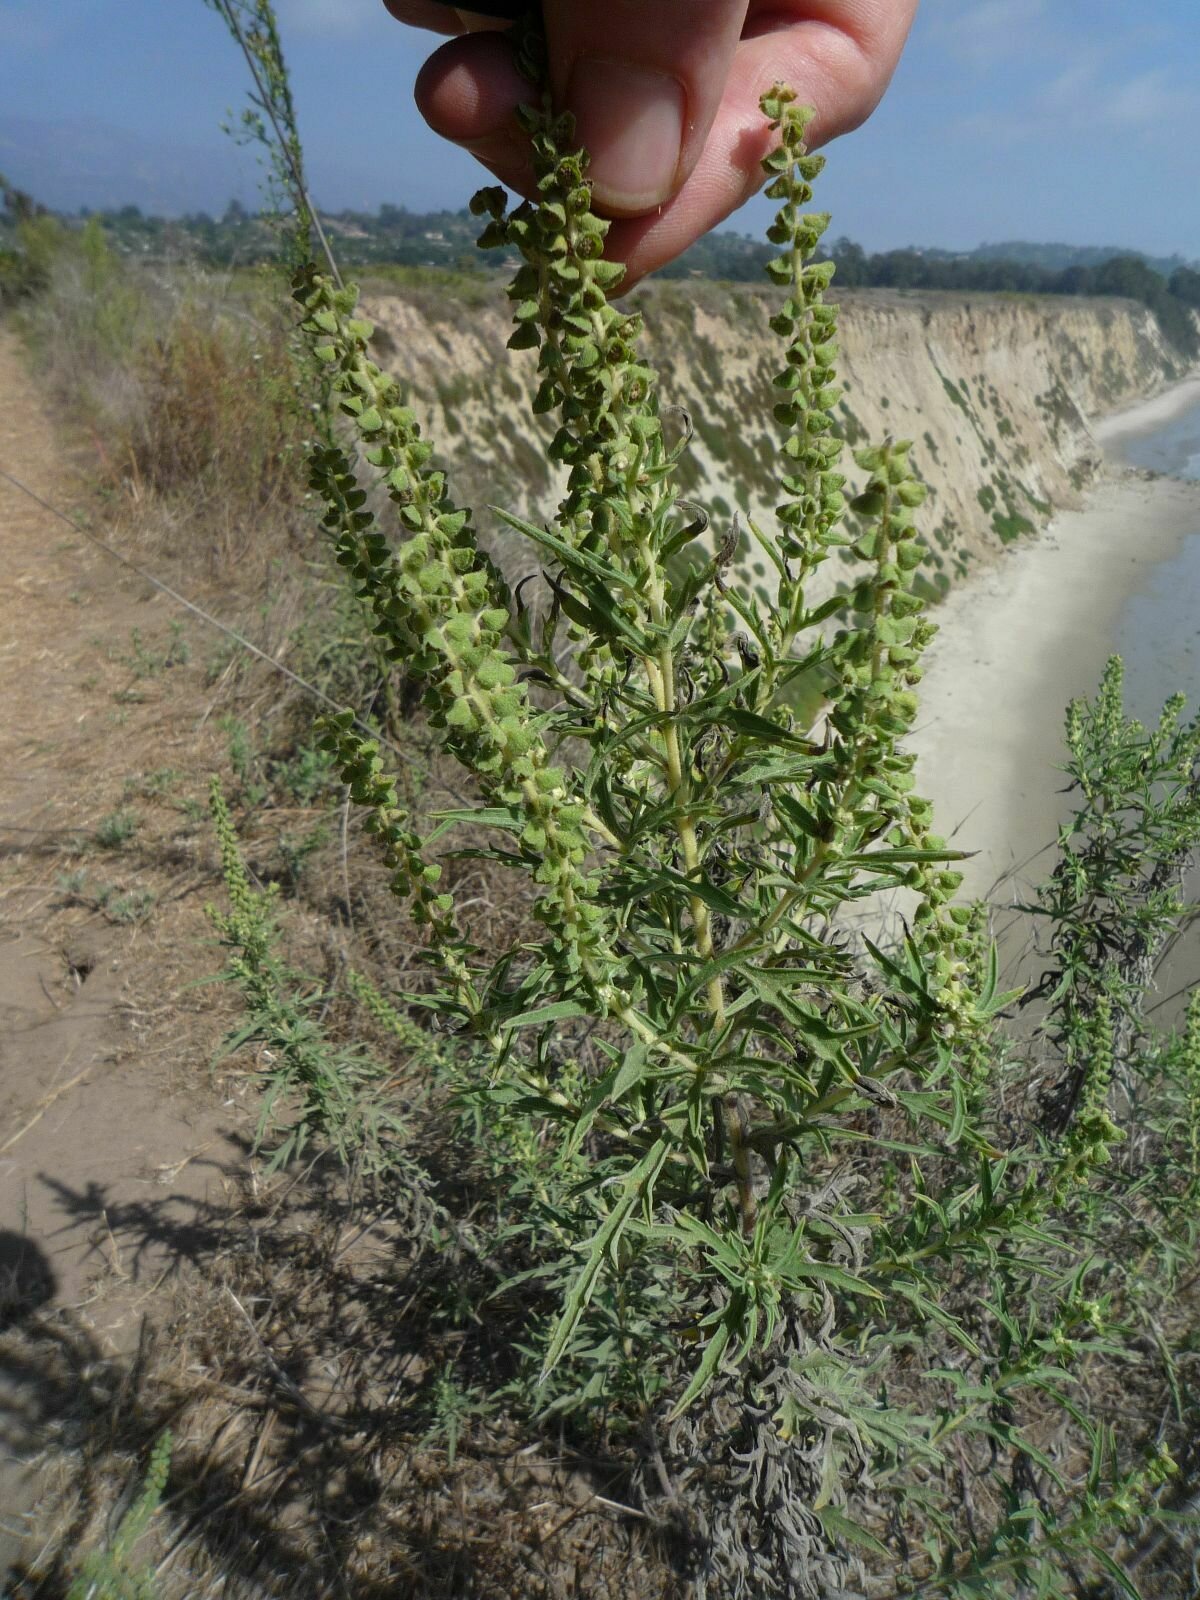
<point>665,95</point>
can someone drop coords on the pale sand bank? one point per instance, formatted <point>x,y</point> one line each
<point>1016,643</point>
<point>1150,413</point>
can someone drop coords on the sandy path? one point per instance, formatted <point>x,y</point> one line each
<point>115,1158</point>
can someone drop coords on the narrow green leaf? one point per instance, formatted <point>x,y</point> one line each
<point>506,817</point>
<point>638,1184</point>
<point>823,1272</point>
<point>880,860</point>
<point>558,1012</point>
<point>828,608</point>
<point>788,806</point>
<point>646,883</point>
<point>570,557</point>
<point>614,1086</point>
<point>769,548</point>
<point>764,731</point>
<point>732,1320</point>
<point>927,1308</point>
<point>1116,1572</point>
<point>839,1526</point>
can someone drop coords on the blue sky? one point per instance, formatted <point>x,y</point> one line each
<point>1074,120</point>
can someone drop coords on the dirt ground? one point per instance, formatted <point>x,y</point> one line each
<point>118,1145</point>
<point>152,1274</point>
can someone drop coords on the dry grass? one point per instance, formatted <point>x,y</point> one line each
<point>188,392</point>
<point>287,1344</point>
<point>220,437</point>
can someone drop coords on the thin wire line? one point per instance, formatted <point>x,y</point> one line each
<point>190,605</point>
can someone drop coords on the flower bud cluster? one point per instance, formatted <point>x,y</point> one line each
<point>413,878</point>
<point>876,657</point>
<point>620,499</point>
<point>436,604</point>
<point>811,518</point>
<point>874,705</point>
<point>1093,1132</point>
<point>1132,1495</point>
<point>248,929</point>
<point>1191,1090</point>
<point>610,434</point>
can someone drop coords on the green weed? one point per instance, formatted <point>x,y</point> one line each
<point>312,1087</point>
<point>145,662</point>
<point>154,785</point>
<point>134,905</point>
<point>846,1269</point>
<point>112,1573</point>
<point>116,829</point>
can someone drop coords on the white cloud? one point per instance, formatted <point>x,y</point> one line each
<point>989,29</point>
<point>1072,76</point>
<point>1092,94</point>
<point>1072,93</point>
<point>1148,100</point>
<point>1086,95</point>
<point>342,18</point>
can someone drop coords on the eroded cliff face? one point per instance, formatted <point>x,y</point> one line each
<point>997,393</point>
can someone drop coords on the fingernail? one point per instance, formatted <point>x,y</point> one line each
<point>631,121</point>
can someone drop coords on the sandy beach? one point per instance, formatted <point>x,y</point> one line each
<point>1147,414</point>
<point>1016,643</point>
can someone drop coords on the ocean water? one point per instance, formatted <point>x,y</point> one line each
<point>1173,448</point>
<point>1158,634</point>
<point>1158,629</point>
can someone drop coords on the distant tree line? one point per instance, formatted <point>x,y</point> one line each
<point>1171,297</point>
<point>395,236</point>
<point>1129,276</point>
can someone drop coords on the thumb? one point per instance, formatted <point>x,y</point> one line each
<point>644,79</point>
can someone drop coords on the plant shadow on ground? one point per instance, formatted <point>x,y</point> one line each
<point>311,1453</point>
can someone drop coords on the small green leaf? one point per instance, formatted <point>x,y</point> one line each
<point>638,1184</point>
<point>571,558</point>
<point>558,1012</point>
<point>614,1087</point>
<point>824,1272</point>
<point>730,1323</point>
<point>839,1526</point>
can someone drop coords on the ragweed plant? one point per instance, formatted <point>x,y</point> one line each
<point>691,849</point>
<point>756,1199</point>
<point>1117,891</point>
<point>312,1088</point>
<point>697,859</point>
<point>269,121</point>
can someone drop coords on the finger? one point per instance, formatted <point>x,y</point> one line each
<point>437,18</point>
<point>482,22</point>
<point>644,79</point>
<point>425,14</point>
<point>468,91</point>
<point>838,55</point>
<point>838,59</point>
